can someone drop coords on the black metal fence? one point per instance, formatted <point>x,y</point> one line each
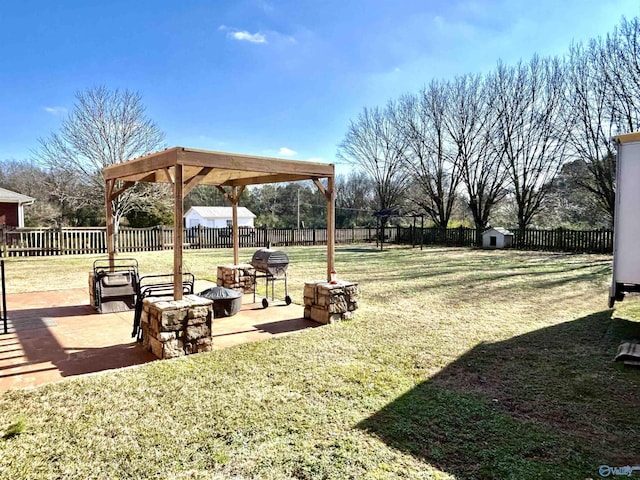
<point>558,240</point>
<point>71,241</point>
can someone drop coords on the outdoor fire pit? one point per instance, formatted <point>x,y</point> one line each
<point>226,302</point>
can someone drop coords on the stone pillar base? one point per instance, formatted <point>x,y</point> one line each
<point>325,302</point>
<point>237,277</point>
<point>177,327</point>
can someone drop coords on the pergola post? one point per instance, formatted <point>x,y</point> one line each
<point>109,221</point>
<point>234,198</point>
<point>177,232</point>
<point>234,216</point>
<point>331,226</point>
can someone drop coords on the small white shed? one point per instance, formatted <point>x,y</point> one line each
<point>217,217</point>
<point>497,237</point>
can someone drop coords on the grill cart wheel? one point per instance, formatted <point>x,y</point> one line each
<point>287,300</point>
<point>265,303</point>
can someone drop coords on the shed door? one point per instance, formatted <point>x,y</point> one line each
<point>493,241</point>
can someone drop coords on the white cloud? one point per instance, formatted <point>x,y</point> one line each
<point>286,151</point>
<point>244,36</point>
<point>55,111</point>
<point>258,37</point>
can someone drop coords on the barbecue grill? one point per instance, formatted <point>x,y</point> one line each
<point>272,266</point>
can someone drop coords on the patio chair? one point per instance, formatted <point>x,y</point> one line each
<point>115,285</point>
<point>160,287</point>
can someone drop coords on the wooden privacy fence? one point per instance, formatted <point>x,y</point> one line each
<point>71,241</point>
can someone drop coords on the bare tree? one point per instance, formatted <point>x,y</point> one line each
<point>104,127</point>
<point>591,121</point>
<point>528,98</point>
<point>355,199</point>
<point>25,177</point>
<point>470,124</point>
<point>374,144</point>
<point>429,156</point>
<point>617,57</point>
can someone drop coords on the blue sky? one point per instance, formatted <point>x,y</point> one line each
<point>263,77</point>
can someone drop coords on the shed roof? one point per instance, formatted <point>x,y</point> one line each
<point>500,230</point>
<point>8,196</point>
<point>627,137</point>
<point>220,212</point>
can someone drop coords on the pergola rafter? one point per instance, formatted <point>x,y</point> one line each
<point>185,168</point>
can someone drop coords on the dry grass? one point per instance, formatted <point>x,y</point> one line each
<point>460,363</point>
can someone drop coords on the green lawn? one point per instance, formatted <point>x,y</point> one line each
<point>460,364</point>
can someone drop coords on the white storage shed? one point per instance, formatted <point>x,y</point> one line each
<point>626,231</point>
<point>217,217</point>
<point>497,237</point>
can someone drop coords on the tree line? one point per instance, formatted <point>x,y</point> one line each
<point>513,143</point>
<point>60,202</point>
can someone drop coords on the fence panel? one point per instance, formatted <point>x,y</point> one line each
<point>72,241</point>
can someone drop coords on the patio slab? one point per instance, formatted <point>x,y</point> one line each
<point>56,334</point>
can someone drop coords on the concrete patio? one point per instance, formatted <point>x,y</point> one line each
<point>57,334</point>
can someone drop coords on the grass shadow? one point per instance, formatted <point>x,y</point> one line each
<point>546,404</point>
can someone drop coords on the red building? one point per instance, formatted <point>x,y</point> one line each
<point>12,208</point>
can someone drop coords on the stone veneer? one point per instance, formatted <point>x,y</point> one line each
<point>326,302</point>
<point>175,328</point>
<point>237,277</point>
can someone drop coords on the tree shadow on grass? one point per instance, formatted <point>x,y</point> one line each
<point>546,404</point>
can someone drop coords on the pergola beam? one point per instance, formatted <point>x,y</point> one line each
<point>195,180</point>
<point>121,190</point>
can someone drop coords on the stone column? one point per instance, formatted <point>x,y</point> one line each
<point>326,302</point>
<point>237,277</point>
<point>177,327</point>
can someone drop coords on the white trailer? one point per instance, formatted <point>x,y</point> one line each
<point>626,232</point>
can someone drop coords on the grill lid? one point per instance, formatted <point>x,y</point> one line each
<point>274,262</point>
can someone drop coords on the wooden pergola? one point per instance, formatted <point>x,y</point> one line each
<point>184,168</point>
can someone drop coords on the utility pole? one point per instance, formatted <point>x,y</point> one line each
<point>298,207</point>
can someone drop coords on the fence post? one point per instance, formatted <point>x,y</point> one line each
<point>61,245</point>
<point>561,242</point>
